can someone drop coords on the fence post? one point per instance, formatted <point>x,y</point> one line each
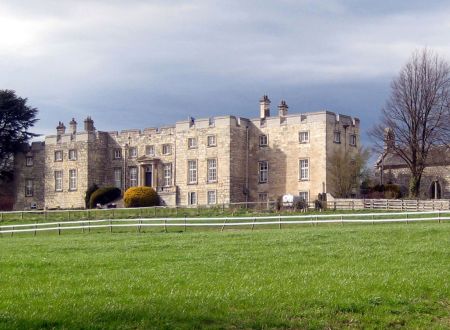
<point>165,225</point>
<point>253,224</point>
<point>185,225</point>
<point>89,226</point>
<point>12,232</point>
<point>279,221</point>
<point>353,205</point>
<point>110,226</point>
<point>82,227</point>
<point>59,228</point>
<point>223,226</point>
<point>439,216</point>
<point>139,227</point>
<point>35,226</point>
<point>406,218</point>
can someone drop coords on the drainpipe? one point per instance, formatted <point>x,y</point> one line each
<point>246,166</point>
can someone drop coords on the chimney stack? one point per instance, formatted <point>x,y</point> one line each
<point>264,107</point>
<point>283,109</point>
<point>89,124</point>
<point>73,126</point>
<point>389,139</point>
<point>60,129</point>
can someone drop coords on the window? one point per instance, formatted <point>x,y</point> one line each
<point>353,140</point>
<point>262,197</point>
<point>58,156</point>
<point>117,153</point>
<point>167,174</point>
<point>150,150</point>
<point>192,198</point>
<point>29,161</point>
<point>192,143</point>
<point>58,181</point>
<point>72,154</point>
<point>133,176</point>
<point>337,137</point>
<point>192,171</point>
<point>118,178</point>
<point>303,137</point>
<point>28,188</point>
<point>263,140</point>
<point>212,170</point>
<point>72,179</point>
<point>304,196</point>
<point>304,169</point>
<point>212,197</point>
<point>263,171</point>
<point>166,149</point>
<point>133,152</point>
<point>211,140</point>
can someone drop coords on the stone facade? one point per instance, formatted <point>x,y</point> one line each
<point>435,182</point>
<point>215,160</point>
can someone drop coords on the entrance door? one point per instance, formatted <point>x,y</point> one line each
<point>435,190</point>
<point>149,175</point>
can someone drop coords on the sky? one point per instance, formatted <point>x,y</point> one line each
<point>136,64</point>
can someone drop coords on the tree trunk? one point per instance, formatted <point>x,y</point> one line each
<point>414,186</point>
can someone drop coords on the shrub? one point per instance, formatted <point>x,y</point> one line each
<point>104,196</point>
<point>140,197</point>
<point>89,192</point>
<point>392,191</point>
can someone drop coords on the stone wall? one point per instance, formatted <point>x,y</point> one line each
<point>237,151</point>
<point>22,172</point>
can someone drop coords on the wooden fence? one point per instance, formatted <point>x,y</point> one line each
<point>390,204</point>
<point>226,222</point>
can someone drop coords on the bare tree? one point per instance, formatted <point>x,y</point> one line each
<point>416,116</point>
<point>347,170</point>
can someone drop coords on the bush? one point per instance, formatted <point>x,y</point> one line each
<point>89,192</point>
<point>140,197</point>
<point>392,191</point>
<point>104,196</point>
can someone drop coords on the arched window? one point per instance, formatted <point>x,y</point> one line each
<point>435,190</point>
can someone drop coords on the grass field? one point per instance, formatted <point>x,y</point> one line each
<point>330,276</point>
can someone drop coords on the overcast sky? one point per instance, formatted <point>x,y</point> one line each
<point>136,64</point>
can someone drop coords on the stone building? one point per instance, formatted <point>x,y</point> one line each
<point>390,168</point>
<point>209,161</point>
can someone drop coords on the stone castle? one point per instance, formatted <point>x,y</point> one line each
<point>216,160</point>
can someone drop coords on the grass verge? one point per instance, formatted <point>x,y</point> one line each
<point>358,276</point>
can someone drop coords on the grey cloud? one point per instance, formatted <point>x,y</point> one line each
<point>127,63</point>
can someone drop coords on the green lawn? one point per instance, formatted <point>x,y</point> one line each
<point>329,276</point>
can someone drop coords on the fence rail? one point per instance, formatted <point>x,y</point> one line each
<point>199,210</point>
<point>223,222</point>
